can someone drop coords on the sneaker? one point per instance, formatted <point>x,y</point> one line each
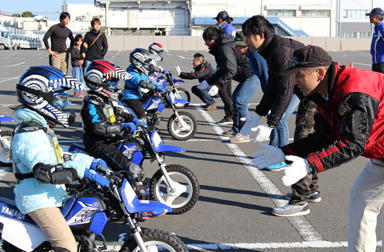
<point>227,120</point>
<point>315,197</point>
<point>229,133</point>
<point>240,138</point>
<point>291,210</point>
<point>211,107</point>
<point>277,167</point>
<point>79,95</point>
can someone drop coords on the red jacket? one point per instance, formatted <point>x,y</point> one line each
<point>355,117</point>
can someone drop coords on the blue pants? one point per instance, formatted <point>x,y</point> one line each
<point>78,73</point>
<point>241,97</point>
<point>201,91</point>
<point>280,134</point>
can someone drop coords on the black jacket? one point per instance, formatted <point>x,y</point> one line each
<point>278,94</point>
<point>202,72</point>
<point>230,63</point>
<point>97,121</point>
<point>98,49</point>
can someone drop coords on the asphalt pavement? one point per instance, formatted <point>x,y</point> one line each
<point>234,209</point>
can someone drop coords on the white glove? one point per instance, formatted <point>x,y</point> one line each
<point>178,70</point>
<point>213,90</point>
<point>263,132</point>
<point>250,124</point>
<point>295,171</point>
<point>269,156</point>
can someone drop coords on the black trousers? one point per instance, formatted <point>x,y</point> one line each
<point>225,93</point>
<point>137,107</point>
<point>115,159</point>
<point>379,67</point>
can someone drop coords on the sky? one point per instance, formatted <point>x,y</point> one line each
<point>45,8</point>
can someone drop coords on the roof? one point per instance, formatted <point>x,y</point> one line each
<point>208,21</point>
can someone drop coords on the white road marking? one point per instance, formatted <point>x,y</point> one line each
<point>114,56</point>
<point>254,246</point>
<point>300,223</point>
<point>363,64</point>
<point>17,64</point>
<point>8,79</point>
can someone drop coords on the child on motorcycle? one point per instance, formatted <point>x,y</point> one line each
<point>103,123</point>
<point>39,165</point>
<point>140,68</point>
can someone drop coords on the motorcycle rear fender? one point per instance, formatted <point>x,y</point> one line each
<point>25,236</point>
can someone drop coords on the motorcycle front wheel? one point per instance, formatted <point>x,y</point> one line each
<point>155,240</point>
<point>176,129</point>
<point>186,193</point>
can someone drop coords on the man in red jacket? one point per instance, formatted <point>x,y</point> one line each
<point>351,104</point>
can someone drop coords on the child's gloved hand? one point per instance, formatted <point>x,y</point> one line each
<point>96,163</point>
<point>131,126</point>
<point>139,122</point>
<point>95,177</point>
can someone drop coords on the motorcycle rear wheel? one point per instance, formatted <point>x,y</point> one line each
<point>164,241</point>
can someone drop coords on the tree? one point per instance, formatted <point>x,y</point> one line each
<point>27,14</point>
<point>16,15</point>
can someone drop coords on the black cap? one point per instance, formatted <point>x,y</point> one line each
<point>376,12</point>
<point>223,15</point>
<point>309,56</point>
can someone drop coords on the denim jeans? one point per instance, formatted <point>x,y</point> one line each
<point>78,73</point>
<point>280,134</point>
<point>241,97</point>
<point>201,91</point>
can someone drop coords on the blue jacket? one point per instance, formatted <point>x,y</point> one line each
<point>131,88</point>
<point>377,45</point>
<point>229,29</point>
<point>30,148</point>
<point>259,67</point>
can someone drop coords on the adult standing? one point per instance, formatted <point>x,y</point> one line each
<point>224,23</point>
<point>377,44</point>
<point>95,44</point>
<point>230,65</point>
<point>59,33</point>
<point>279,99</point>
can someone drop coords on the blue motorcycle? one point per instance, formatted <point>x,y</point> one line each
<point>174,185</point>
<point>87,213</point>
<point>181,125</point>
<point>178,92</point>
